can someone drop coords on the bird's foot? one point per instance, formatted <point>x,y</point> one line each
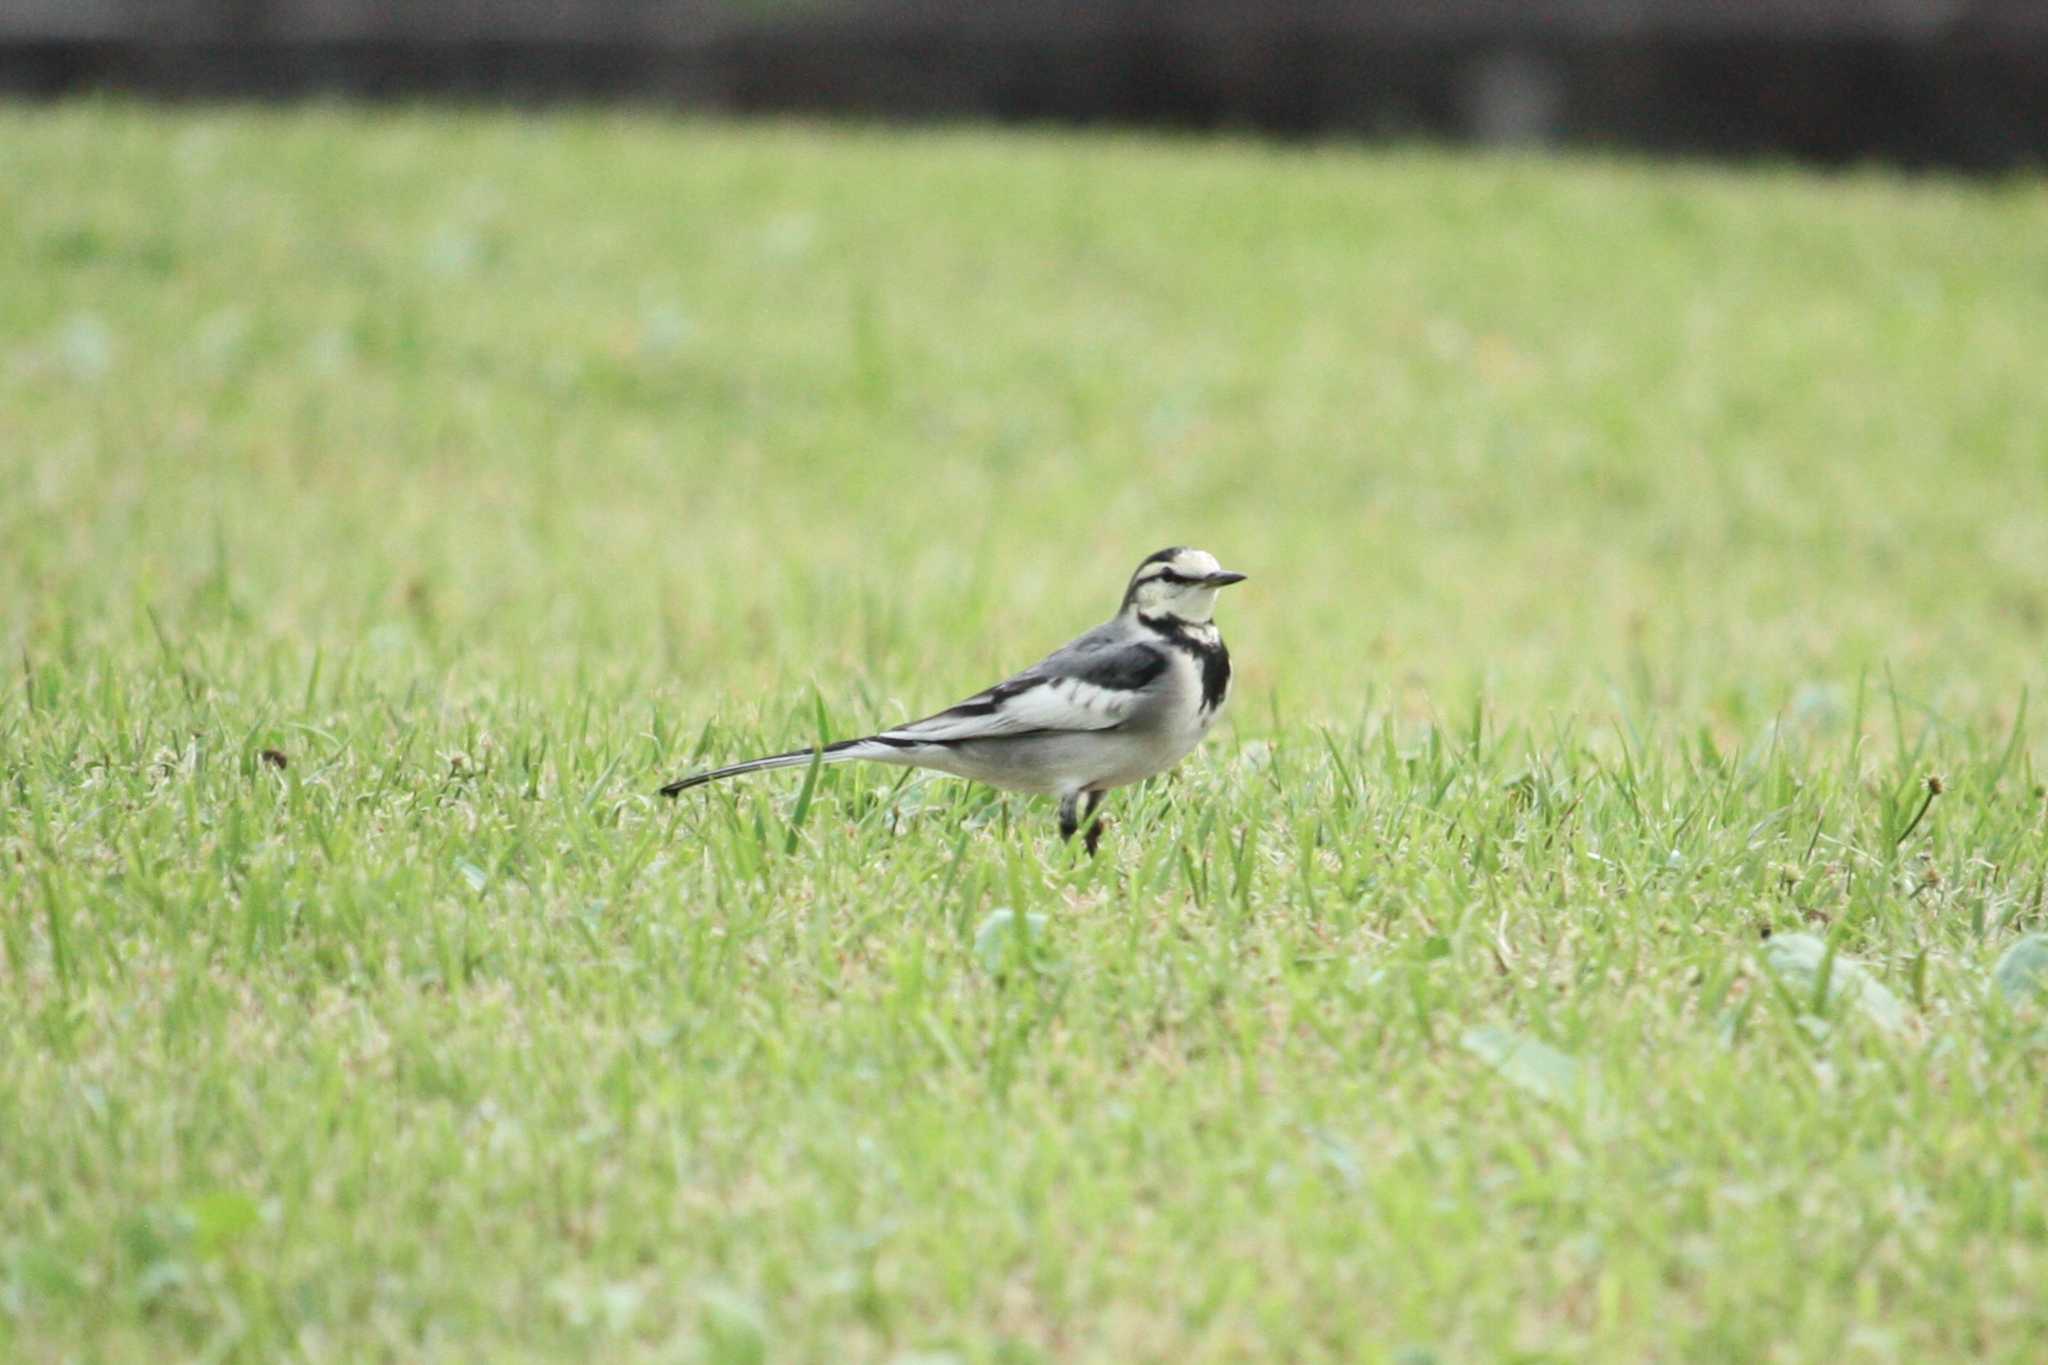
<point>1093,838</point>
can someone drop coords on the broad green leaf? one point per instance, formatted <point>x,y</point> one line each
<point>1817,978</point>
<point>1003,933</point>
<point>2022,971</point>
<point>1534,1065</point>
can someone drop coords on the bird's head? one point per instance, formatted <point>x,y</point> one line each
<point>1179,584</point>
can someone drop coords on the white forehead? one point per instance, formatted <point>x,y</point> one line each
<point>1195,563</point>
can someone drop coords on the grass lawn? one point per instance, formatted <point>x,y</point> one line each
<point>1542,962</point>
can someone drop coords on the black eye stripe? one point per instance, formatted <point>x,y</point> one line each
<point>1159,569</point>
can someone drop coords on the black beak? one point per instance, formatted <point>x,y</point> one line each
<point>1223,578</point>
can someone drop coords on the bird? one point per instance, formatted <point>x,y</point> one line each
<point>1113,706</point>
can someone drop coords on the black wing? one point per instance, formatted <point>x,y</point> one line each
<point>1090,685</point>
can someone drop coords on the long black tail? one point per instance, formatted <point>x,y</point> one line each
<point>795,758</point>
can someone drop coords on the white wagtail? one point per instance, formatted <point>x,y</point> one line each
<point>1126,700</point>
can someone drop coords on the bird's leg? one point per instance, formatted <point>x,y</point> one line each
<point>1070,815</point>
<point>1094,830</point>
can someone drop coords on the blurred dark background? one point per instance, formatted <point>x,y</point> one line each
<point>1952,83</point>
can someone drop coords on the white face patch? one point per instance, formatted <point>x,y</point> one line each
<point>1173,587</point>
